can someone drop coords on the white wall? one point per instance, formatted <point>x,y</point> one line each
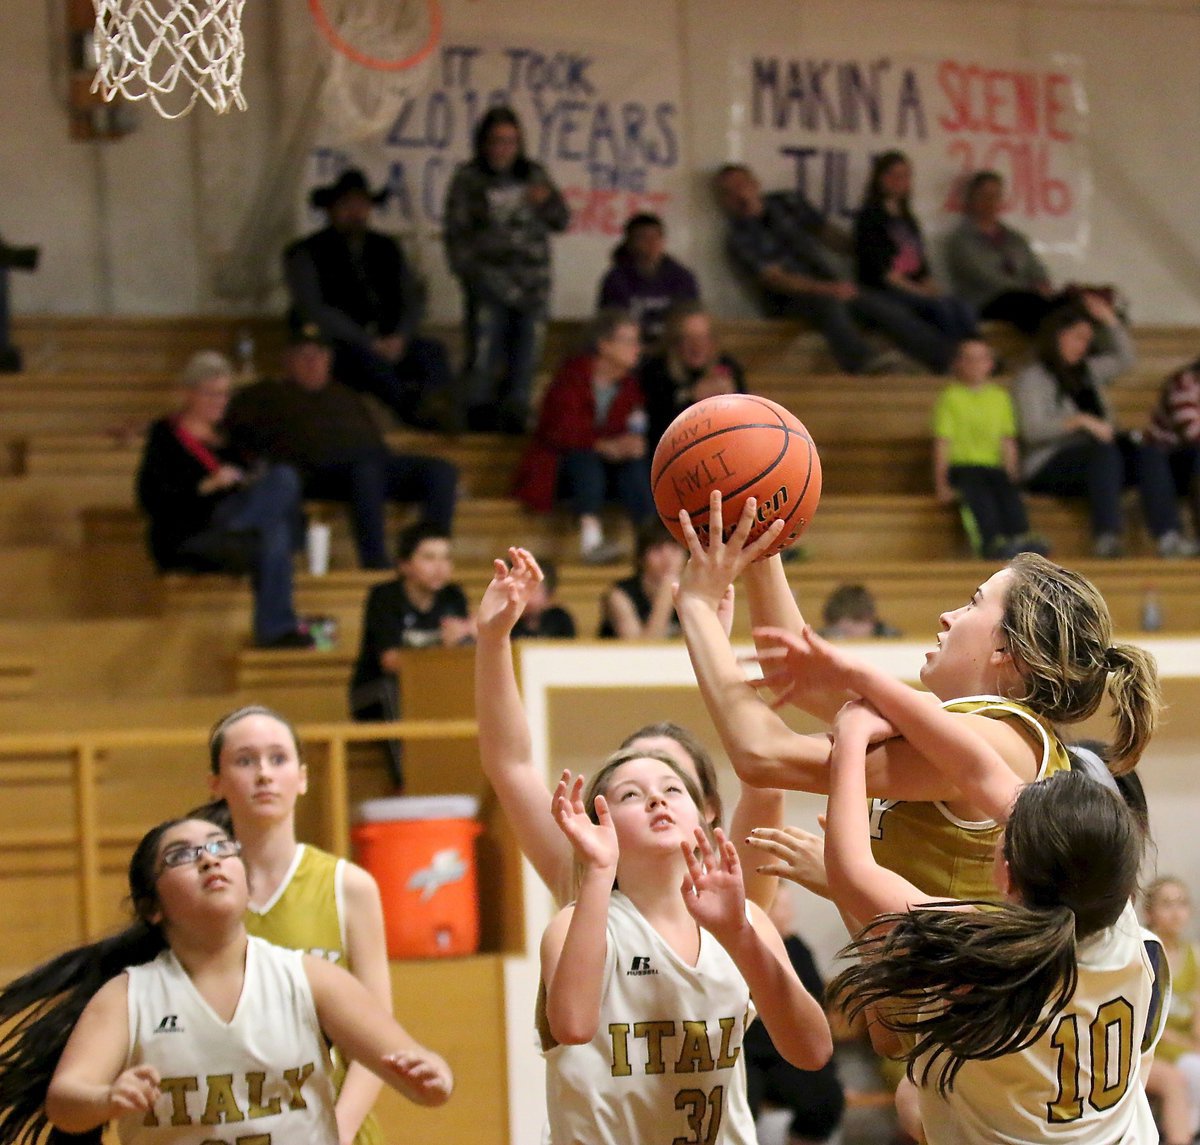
<point>142,225</point>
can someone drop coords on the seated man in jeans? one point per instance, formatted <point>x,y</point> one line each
<point>325,431</point>
<point>784,244</point>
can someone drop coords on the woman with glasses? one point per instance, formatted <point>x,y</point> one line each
<point>182,1025</point>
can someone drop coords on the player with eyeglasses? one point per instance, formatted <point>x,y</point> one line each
<point>258,1020</point>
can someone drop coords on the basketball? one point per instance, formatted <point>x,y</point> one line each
<point>745,446</point>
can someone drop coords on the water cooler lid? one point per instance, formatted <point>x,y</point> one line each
<point>408,807</point>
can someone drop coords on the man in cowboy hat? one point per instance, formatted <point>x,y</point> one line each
<point>354,283</point>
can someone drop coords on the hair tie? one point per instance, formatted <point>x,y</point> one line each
<point>1112,658</point>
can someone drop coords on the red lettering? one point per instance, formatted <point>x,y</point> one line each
<point>953,84</point>
<point>1058,101</point>
<point>1002,102</point>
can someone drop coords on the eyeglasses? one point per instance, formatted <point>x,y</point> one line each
<point>183,853</point>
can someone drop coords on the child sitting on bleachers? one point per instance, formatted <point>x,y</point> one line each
<point>543,617</point>
<point>975,459</point>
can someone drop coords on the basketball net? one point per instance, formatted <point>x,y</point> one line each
<point>171,52</point>
<point>380,51</point>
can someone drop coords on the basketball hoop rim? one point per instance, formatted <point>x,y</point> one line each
<point>376,63</point>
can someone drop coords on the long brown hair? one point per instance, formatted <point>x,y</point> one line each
<point>980,983</point>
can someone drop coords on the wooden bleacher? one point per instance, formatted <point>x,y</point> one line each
<point>96,643</point>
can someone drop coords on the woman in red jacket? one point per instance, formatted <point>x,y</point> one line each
<point>589,445</point>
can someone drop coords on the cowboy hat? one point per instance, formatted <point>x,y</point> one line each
<point>350,181</point>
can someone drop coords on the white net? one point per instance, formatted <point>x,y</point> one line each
<point>381,51</point>
<point>171,52</point>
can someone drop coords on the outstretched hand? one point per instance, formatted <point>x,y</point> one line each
<point>796,663</point>
<point>798,855</point>
<point>715,563</point>
<point>712,889</point>
<point>505,597</point>
<point>135,1091</point>
<point>595,844</point>
<point>428,1077</point>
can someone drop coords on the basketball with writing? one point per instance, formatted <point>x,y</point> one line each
<point>744,446</point>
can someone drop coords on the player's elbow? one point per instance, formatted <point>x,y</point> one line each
<point>63,1115</point>
<point>752,765</point>
<point>812,1051</point>
<point>572,1029</point>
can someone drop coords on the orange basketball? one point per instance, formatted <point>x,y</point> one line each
<point>745,446</point>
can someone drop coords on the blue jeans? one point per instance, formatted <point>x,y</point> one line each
<point>587,480</point>
<point>268,509</point>
<point>424,369</point>
<point>503,346</point>
<point>955,318</point>
<point>1102,471</point>
<point>839,322</point>
<point>368,481</point>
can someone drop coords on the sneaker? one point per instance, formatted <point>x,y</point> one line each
<point>1175,544</point>
<point>293,639</point>
<point>605,553</point>
<point>891,362</point>
<point>1106,546</point>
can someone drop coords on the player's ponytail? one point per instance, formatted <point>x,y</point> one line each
<point>39,1010</point>
<point>1133,684</point>
<point>1058,630</point>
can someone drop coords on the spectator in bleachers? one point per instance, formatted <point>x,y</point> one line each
<point>850,613</point>
<point>890,250</point>
<point>544,617</point>
<point>357,286</point>
<point>325,430</point>
<point>590,439</point>
<point>210,512</point>
<point>976,460</point>
<point>501,208</point>
<point>690,367</point>
<point>1070,443</point>
<point>421,608</point>
<point>644,279</point>
<point>787,247</point>
<point>1175,429</point>
<point>993,266</point>
<point>1168,913</point>
<point>815,1098</point>
<point>642,606</point>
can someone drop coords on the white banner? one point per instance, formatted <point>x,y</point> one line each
<point>814,121</point>
<point>604,118</point>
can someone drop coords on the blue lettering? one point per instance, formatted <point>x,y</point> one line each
<point>568,125</point>
<point>910,104</point>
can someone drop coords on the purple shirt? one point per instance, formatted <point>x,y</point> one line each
<point>648,298</point>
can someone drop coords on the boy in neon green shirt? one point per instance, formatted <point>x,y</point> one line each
<point>975,455</point>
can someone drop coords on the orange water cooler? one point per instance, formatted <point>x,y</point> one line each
<point>421,850</point>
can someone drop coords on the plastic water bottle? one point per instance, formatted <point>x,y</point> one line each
<point>245,355</point>
<point>1152,617</point>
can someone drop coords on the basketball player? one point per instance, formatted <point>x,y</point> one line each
<point>183,1028</point>
<point>301,897</point>
<point>1023,1021</point>
<point>1031,649</point>
<point>646,989</point>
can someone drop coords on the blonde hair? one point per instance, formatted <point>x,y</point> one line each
<point>1058,630</point>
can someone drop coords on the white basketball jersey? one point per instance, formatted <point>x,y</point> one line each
<point>263,1077</point>
<point>1079,1084</point>
<point>666,1062</point>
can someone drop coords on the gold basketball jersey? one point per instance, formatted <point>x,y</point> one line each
<point>938,852</point>
<point>308,912</point>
